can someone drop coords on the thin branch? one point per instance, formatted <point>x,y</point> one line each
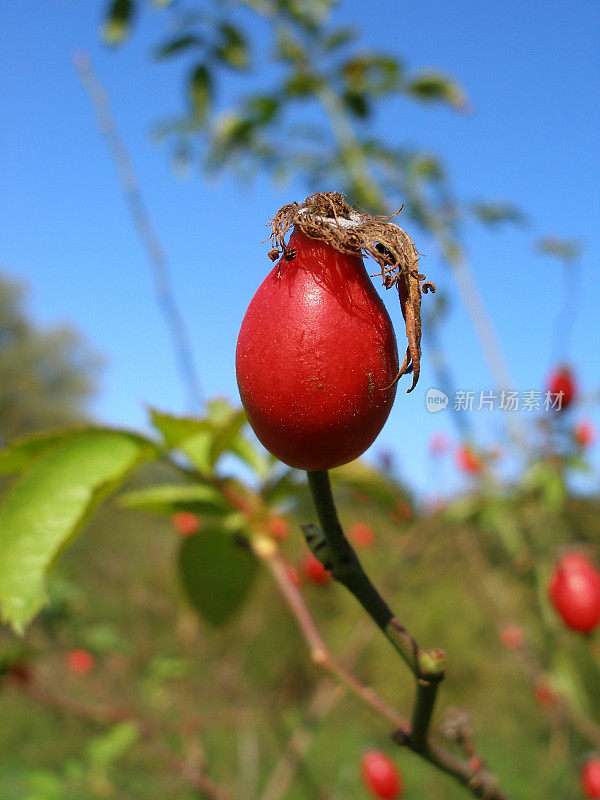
<point>155,252</point>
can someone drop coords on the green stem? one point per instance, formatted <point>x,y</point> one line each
<point>427,666</point>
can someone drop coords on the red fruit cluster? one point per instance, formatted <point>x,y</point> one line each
<point>316,358</point>
<point>314,571</point>
<point>562,381</point>
<point>80,661</point>
<point>185,523</point>
<point>381,776</point>
<point>362,534</point>
<point>590,778</point>
<point>574,590</point>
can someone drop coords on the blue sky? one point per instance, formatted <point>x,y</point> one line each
<point>531,71</point>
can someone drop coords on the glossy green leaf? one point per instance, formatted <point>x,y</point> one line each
<point>216,572</point>
<point>50,503</point>
<point>200,91</point>
<point>170,498</point>
<point>430,86</point>
<point>118,21</point>
<point>21,452</point>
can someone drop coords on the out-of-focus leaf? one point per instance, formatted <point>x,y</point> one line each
<point>200,91</point>
<point>369,482</point>
<point>232,49</point>
<point>262,108</point>
<point>117,22</point>
<point>289,49</point>
<point>303,84</point>
<point>104,750</point>
<point>565,249</point>
<point>251,455</point>
<point>170,498</point>
<point>357,103</point>
<point>371,74</point>
<point>338,39</point>
<point>193,436</point>
<point>284,488</point>
<point>430,85</point>
<point>425,167</point>
<point>498,213</point>
<point>175,46</point>
<point>50,503</point>
<point>216,572</point>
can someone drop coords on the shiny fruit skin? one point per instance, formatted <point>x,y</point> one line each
<point>563,380</point>
<point>590,778</point>
<point>316,357</point>
<point>314,571</point>
<point>381,775</point>
<point>574,590</point>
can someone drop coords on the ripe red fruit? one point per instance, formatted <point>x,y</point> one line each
<point>574,590</point>
<point>362,534</point>
<point>468,461</point>
<point>316,358</point>
<point>80,661</point>
<point>381,775</point>
<point>590,778</point>
<point>562,380</point>
<point>585,433</point>
<point>186,523</point>
<point>279,528</point>
<point>512,637</point>
<point>314,570</point>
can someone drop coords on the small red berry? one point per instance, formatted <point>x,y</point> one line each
<point>279,528</point>
<point>80,661</point>
<point>590,778</point>
<point>561,381</point>
<point>512,637</point>
<point>574,590</point>
<point>585,433</point>
<point>362,534</point>
<point>468,461</point>
<point>186,523</point>
<point>314,570</point>
<point>544,694</point>
<point>476,763</point>
<point>381,776</point>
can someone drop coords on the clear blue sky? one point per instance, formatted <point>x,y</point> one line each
<point>531,71</point>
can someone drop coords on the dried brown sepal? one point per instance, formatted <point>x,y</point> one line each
<point>329,217</point>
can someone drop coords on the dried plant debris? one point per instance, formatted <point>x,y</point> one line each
<point>329,217</point>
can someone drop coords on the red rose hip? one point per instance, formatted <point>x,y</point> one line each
<point>381,776</point>
<point>574,590</point>
<point>316,357</point>
<point>590,778</point>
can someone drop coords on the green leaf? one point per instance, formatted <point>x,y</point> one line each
<point>431,86</point>
<point>176,46</point>
<point>118,21</point>
<point>363,479</point>
<point>565,249</point>
<point>497,213</point>
<point>357,103</point>
<point>104,750</point>
<point>50,503</point>
<point>338,39</point>
<point>371,74</point>
<point>21,452</point>
<point>216,572</point>
<point>232,49</point>
<point>170,498</point>
<point>200,91</point>
<point>193,436</point>
<point>303,84</point>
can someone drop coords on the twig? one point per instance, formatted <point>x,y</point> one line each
<point>143,224</point>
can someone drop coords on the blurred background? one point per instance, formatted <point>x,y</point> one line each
<point>145,146</point>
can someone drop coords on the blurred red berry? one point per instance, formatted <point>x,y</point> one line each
<point>476,763</point>
<point>561,381</point>
<point>438,443</point>
<point>80,661</point>
<point>314,570</point>
<point>468,461</point>
<point>574,590</point>
<point>362,534</point>
<point>544,694</point>
<point>381,775</point>
<point>279,528</point>
<point>512,637</point>
<point>585,433</point>
<point>590,778</point>
<point>186,523</point>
